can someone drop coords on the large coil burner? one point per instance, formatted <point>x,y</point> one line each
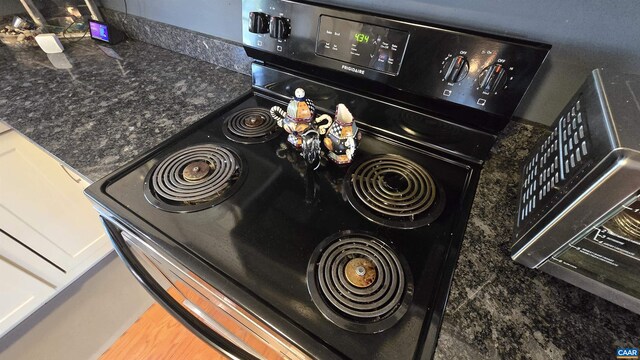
<point>393,191</point>
<point>194,178</point>
<point>359,283</point>
<point>251,126</point>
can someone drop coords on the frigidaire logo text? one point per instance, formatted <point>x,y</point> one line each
<point>352,69</point>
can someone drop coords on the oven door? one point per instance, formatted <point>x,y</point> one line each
<point>199,306</point>
<point>606,261</point>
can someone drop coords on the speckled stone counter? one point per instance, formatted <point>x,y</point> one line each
<point>103,112</point>
<point>498,309</point>
<point>194,44</point>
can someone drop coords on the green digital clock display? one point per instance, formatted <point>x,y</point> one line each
<point>366,46</point>
<point>362,38</point>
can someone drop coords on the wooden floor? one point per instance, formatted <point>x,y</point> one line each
<point>157,335</point>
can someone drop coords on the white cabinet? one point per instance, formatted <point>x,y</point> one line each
<point>49,231</point>
<point>26,279</point>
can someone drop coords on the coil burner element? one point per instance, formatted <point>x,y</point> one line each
<point>393,191</point>
<point>251,126</point>
<point>359,283</point>
<point>627,223</point>
<point>193,178</point>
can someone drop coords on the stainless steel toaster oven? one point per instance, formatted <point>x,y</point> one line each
<point>579,206</point>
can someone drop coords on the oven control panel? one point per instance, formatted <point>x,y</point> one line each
<point>369,46</point>
<point>481,71</point>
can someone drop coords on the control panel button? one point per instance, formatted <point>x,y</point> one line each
<point>258,23</point>
<point>280,28</point>
<point>491,77</point>
<point>456,69</point>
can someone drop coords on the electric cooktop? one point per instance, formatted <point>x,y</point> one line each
<point>266,242</point>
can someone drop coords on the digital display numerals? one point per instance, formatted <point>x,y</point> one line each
<point>366,45</point>
<point>361,38</point>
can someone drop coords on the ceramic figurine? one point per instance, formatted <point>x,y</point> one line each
<point>298,118</point>
<point>343,137</point>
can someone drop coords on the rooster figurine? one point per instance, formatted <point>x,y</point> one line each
<point>343,137</point>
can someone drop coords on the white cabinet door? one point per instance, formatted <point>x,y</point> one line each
<point>26,280</point>
<point>42,205</point>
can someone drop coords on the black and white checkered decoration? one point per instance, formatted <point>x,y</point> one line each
<point>336,128</point>
<point>310,105</point>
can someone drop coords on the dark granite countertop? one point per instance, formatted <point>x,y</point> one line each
<point>499,309</point>
<point>102,112</point>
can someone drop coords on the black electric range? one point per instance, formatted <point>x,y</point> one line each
<point>264,256</point>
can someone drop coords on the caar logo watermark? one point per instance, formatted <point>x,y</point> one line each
<point>627,353</point>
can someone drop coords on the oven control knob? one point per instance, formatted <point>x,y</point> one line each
<point>491,78</point>
<point>280,28</point>
<point>258,22</point>
<point>456,69</point>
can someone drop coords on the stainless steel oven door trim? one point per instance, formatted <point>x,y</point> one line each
<point>216,326</point>
<point>169,303</point>
<point>172,280</point>
<point>267,335</point>
<point>192,280</point>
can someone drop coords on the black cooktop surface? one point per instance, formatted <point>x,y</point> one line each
<point>276,215</point>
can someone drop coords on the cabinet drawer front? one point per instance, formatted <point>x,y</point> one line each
<point>27,282</point>
<point>42,204</point>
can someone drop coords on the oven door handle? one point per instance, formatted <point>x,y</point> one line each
<point>197,326</point>
<point>216,326</point>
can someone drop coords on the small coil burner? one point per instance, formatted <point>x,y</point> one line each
<point>626,223</point>
<point>359,283</point>
<point>193,178</point>
<point>393,191</point>
<point>251,126</point>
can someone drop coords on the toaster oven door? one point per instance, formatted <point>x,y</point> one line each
<point>607,260</point>
<point>199,306</point>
